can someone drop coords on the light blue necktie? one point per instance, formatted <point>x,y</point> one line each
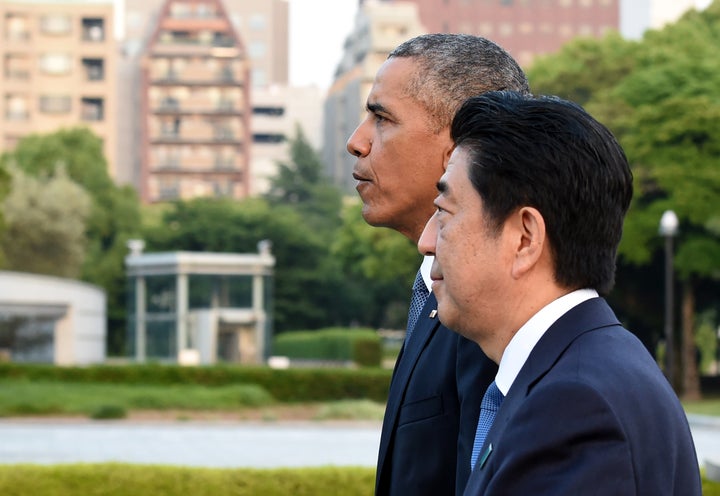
<point>488,408</point>
<point>420,295</point>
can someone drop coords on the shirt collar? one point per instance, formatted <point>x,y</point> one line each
<point>425,270</point>
<point>523,342</point>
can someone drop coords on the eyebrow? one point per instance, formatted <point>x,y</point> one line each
<point>376,107</point>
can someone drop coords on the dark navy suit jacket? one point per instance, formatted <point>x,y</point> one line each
<point>589,413</point>
<point>432,412</point>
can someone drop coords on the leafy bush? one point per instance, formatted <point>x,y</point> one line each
<point>289,385</point>
<point>107,412</point>
<point>367,352</point>
<point>363,346</point>
<point>98,400</point>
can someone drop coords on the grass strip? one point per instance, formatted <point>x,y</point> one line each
<point>116,479</point>
<point>24,397</point>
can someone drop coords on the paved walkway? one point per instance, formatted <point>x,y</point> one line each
<point>227,444</point>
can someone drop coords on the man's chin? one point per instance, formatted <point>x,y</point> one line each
<point>372,217</point>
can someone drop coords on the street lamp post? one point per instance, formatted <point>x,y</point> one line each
<point>669,229</point>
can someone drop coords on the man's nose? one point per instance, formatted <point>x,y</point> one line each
<point>428,238</point>
<point>357,145</point>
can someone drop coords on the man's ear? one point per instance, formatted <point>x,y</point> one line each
<point>449,147</point>
<point>530,240</point>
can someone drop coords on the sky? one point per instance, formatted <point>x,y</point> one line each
<point>318,29</point>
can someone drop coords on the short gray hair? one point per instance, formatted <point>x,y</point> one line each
<point>453,67</point>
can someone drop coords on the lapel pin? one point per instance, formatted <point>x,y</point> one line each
<point>433,314</point>
<point>486,455</point>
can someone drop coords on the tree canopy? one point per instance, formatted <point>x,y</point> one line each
<point>114,215</point>
<point>661,98</point>
<point>45,224</point>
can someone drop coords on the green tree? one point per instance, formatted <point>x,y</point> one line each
<point>46,219</point>
<point>382,261</point>
<point>660,98</point>
<point>584,68</point>
<point>114,215</point>
<point>300,183</point>
<point>5,181</point>
<point>309,291</point>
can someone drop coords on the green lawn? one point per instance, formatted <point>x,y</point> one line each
<point>24,397</point>
<point>706,406</point>
<point>113,479</point>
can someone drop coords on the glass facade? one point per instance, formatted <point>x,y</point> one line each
<point>218,313</point>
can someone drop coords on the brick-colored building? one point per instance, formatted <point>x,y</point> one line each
<point>525,28</point>
<point>195,131</point>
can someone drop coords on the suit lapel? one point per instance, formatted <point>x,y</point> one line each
<point>424,328</point>
<point>587,316</point>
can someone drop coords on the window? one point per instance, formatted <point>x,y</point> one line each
<point>222,40</point>
<point>93,29</point>
<point>259,77</point>
<point>169,189</point>
<point>55,104</point>
<point>92,109</point>
<point>257,50</point>
<point>17,67</point>
<point>270,111</point>
<point>505,29</point>
<point>224,162</point>
<point>268,138</point>
<point>180,10</point>
<point>94,69</point>
<point>257,22</point>
<point>16,27</point>
<point>56,64</point>
<point>171,128</point>
<point>170,103</point>
<point>16,108</point>
<point>56,24</point>
<point>227,73</point>
<point>223,132</point>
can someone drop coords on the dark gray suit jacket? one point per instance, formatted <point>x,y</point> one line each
<point>432,412</point>
<point>589,413</point>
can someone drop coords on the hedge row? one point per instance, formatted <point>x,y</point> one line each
<point>114,479</point>
<point>362,346</point>
<point>285,385</point>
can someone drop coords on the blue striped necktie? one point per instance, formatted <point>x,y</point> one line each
<point>420,295</point>
<point>488,408</point>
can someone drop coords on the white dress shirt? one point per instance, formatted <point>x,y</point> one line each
<point>425,270</point>
<point>523,342</point>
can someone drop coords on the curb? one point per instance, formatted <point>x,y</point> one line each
<point>703,420</point>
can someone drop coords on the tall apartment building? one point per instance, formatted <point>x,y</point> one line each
<point>271,108</point>
<point>379,27</point>
<point>59,64</point>
<point>526,28</point>
<point>195,108</point>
